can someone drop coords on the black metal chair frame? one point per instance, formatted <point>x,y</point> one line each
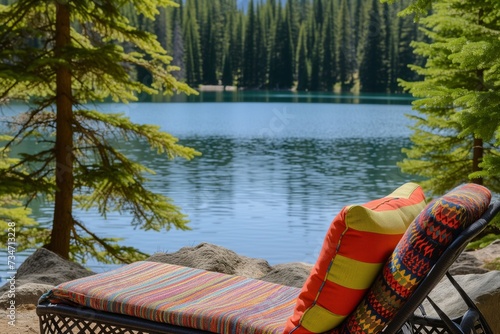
<point>64,318</point>
<point>472,321</point>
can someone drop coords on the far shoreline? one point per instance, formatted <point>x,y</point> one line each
<point>217,88</point>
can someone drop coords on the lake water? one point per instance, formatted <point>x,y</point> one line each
<point>272,175</point>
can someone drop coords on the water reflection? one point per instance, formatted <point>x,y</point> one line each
<point>256,195</point>
<point>285,96</point>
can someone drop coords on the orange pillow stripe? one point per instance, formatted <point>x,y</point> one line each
<point>357,244</point>
<point>416,253</point>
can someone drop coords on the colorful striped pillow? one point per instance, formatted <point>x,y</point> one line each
<point>419,249</point>
<point>357,244</point>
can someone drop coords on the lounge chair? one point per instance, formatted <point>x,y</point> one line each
<point>149,297</point>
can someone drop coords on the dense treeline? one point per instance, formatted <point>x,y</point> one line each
<point>315,45</point>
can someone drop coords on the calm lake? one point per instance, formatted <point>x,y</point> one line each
<point>272,175</point>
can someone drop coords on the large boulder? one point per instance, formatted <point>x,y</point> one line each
<point>219,259</point>
<point>37,274</point>
<point>26,294</point>
<point>483,289</point>
<point>291,274</point>
<point>489,253</point>
<point>46,267</point>
<point>215,258</point>
<point>467,263</point>
<point>475,262</point>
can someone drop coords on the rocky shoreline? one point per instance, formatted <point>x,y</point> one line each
<point>44,269</point>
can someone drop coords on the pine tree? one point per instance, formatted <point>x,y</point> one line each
<point>347,54</point>
<point>313,46</point>
<point>250,50</point>
<point>208,41</point>
<point>312,28</point>
<point>372,75</point>
<point>328,49</point>
<point>227,35</point>
<point>227,72</point>
<point>302,56</point>
<point>14,216</point>
<point>456,137</point>
<point>273,45</point>
<point>193,54</point>
<point>417,8</point>
<point>408,33</point>
<point>261,50</point>
<point>292,13</point>
<point>304,8</point>
<point>270,17</point>
<point>281,66</point>
<point>229,23</point>
<point>178,48</point>
<point>79,59</point>
<point>314,78</point>
<point>143,23</point>
<point>391,54</point>
<point>360,19</point>
<point>160,27</point>
<point>236,48</point>
<point>319,10</point>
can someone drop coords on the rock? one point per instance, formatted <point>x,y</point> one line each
<point>483,289</point>
<point>467,263</point>
<point>219,259</point>
<point>291,274</point>
<point>46,267</point>
<point>215,258</point>
<point>28,293</point>
<point>488,253</point>
<point>473,262</point>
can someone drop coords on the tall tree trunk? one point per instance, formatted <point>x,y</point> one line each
<point>477,158</point>
<point>478,150</point>
<point>63,218</point>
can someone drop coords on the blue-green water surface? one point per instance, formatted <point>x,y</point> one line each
<point>272,175</point>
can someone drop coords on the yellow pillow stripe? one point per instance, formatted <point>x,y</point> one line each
<point>320,320</point>
<point>386,222</point>
<point>347,272</point>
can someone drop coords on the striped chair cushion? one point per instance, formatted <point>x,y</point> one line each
<point>356,246</point>
<point>419,249</point>
<point>186,297</point>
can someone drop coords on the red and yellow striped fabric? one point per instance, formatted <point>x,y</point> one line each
<point>435,228</point>
<point>185,297</point>
<point>357,244</point>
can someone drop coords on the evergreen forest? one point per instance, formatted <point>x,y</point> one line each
<point>307,45</point>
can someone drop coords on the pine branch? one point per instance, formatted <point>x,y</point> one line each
<point>122,254</point>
